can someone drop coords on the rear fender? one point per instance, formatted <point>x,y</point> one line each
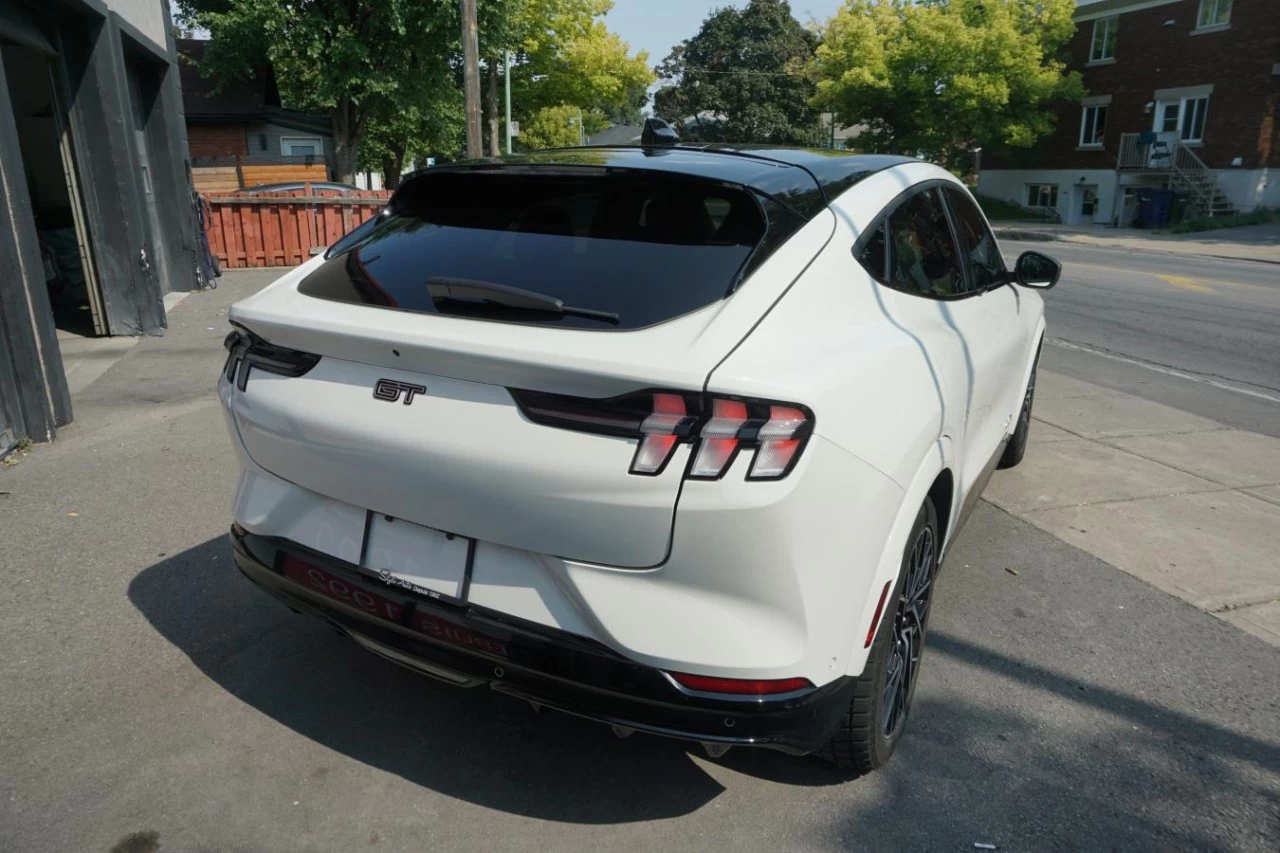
<point>939,456</point>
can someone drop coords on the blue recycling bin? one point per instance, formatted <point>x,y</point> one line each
<point>1154,207</point>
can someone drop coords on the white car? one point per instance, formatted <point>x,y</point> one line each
<point>668,437</point>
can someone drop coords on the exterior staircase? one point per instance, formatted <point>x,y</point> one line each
<point>1186,172</point>
<point>1192,176</point>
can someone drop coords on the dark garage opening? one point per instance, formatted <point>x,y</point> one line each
<point>51,183</point>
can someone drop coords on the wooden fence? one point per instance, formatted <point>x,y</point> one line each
<point>284,229</point>
<point>224,174</point>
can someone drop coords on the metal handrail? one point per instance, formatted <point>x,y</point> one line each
<point>1174,157</point>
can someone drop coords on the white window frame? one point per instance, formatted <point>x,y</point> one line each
<point>1104,29</point>
<point>1043,190</point>
<point>1185,120</point>
<point>1089,121</point>
<point>1218,17</point>
<point>1185,108</point>
<point>286,141</point>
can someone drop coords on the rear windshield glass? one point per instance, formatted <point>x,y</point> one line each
<point>627,250</point>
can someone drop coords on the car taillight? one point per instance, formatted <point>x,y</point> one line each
<point>740,686</point>
<point>718,427</point>
<point>247,350</point>
<point>660,434</point>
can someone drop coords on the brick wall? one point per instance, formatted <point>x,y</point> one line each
<point>1244,109</point>
<point>216,140</point>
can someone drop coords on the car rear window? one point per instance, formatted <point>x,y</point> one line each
<point>643,246</point>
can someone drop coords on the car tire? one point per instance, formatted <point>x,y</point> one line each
<point>872,726</point>
<point>1017,446</point>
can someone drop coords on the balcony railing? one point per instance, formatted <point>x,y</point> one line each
<point>1166,154</point>
<point>1157,152</point>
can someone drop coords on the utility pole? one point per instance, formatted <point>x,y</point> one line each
<point>471,78</point>
<point>506,78</point>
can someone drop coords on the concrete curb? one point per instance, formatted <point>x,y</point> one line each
<point>1049,237</point>
<point>1018,234</point>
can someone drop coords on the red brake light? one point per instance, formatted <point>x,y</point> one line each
<point>741,686</point>
<point>659,434</point>
<point>719,438</point>
<point>778,443</point>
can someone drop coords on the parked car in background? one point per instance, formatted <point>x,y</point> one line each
<point>674,438</point>
<point>297,186</point>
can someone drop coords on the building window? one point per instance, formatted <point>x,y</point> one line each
<point>1194,111</point>
<point>1093,124</point>
<point>1213,13</point>
<point>1185,117</point>
<point>1103,47</point>
<point>298,146</point>
<point>1042,195</point>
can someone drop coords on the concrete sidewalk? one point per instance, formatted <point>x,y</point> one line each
<point>1248,243</point>
<point>1182,502</point>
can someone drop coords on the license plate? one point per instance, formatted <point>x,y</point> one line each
<point>416,558</point>
<point>381,607</point>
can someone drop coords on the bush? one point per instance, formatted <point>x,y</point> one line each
<point>1213,223</point>
<point>998,208</point>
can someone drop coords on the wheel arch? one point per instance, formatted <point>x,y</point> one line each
<point>933,477</point>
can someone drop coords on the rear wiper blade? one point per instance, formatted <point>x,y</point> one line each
<point>444,289</point>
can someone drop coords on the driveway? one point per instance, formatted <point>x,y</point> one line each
<point>153,700</point>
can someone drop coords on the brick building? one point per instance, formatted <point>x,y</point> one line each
<point>1182,94</point>
<point>244,118</point>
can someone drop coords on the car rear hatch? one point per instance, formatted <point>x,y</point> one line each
<point>409,372</point>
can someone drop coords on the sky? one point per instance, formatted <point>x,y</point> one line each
<point>659,25</point>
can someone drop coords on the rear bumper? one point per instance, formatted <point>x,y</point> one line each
<point>471,646</point>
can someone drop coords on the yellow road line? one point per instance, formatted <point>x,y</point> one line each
<point>1184,283</point>
<point>1197,285</point>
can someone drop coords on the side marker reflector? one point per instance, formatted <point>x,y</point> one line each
<point>875,620</point>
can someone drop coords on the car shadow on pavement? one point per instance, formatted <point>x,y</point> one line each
<point>472,744</point>
<point>1054,764</point>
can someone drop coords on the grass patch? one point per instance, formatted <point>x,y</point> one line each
<point>1261,216</point>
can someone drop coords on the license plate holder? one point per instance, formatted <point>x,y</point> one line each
<point>416,558</point>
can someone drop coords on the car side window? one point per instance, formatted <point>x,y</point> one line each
<point>986,266</point>
<point>874,255</point>
<point>922,252</point>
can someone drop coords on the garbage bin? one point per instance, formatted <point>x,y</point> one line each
<point>1154,207</point>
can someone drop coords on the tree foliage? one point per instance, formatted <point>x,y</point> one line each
<point>551,127</point>
<point>571,59</point>
<point>936,77</point>
<point>387,71</point>
<point>431,125</point>
<point>353,59</point>
<point>744,77</point>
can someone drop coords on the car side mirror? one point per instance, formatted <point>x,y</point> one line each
<point>1036,270</point>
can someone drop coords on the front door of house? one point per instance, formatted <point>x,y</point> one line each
<point>1088,204</point>
<point>1168,116</point>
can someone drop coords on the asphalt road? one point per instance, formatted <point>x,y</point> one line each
<point>151,699</point>
<point>1201,334</point>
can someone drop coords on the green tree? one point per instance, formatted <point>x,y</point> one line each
<point>744,77</point>
<point>565,56</point>
<point>429,126</point>
<point>571,60</point>
<point>552,127</point>
<point>353,59</point>
<point>933,78</point>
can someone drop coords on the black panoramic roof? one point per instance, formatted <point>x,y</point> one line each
<point>804,179</point>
